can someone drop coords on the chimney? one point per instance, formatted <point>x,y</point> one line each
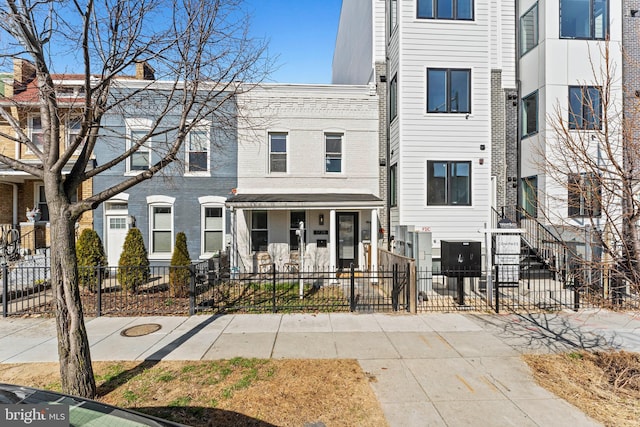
<point>23,73</point>
<point>144,71</point>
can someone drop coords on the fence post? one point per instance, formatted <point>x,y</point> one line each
<point>5,289</point>
<point>496,286</point>
<point>352,279</point>
<point>274,307</point>
<point>99,290</point>
<point>412,296</point>
<point>394,288</point>
<point>192,290</point>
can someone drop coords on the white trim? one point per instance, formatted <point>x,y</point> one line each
<point>342,152</point>
<point>211,204</point>
<point>202,127</point>
<point>157,201</point>
<point>137,125</point>
<point>287,151</point>
<point>160,199</point>
<point>211,199</point>
<point>119,197</point>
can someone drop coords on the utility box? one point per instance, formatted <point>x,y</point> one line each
<point>461,258</point>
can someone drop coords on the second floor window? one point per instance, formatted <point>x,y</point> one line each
<point>530,114</point>
<point>333,152</point>
<point>277,152</point>
<point>139,160</point>
<point>36,132</point>
<point>445,9</point>
<point>448,183</point>
<point>393,185</point>
<point>393,98</point>
<point>448,90</point>
<point>584,195</point>
<point>529,30</point>
<point>584,19</point>
<point>198,151</point>
<point>74,125</point>
<point>585,107</point>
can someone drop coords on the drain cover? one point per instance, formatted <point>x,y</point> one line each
<point>140,330</point>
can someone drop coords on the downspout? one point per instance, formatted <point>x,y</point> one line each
<point>15,206</point>
<point>518,124</point>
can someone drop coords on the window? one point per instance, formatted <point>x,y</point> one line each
<point>529,30</point>
<point>294,224</point>
<point>584,19</point>
<point>393,15</point>
<point>448,183</point>
<point>139,160</point>
<point>393,98</point>
<point>212,229</point>
<point>277,152</point>
<point>585,107</point>
<point>41,202</point>
<point>333,152</point>
<point>74,124</point>
<point>36,133</point>
<point>197,152</point>
<point>161,229</point>
<point>584,195</point>
<point>445,9</point>
<point>259,231</point>
<point>530,114</point>
<point>393,185</point>
<point>529,188</point>
<point>448,91</point>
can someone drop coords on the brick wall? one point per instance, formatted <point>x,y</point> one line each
<point>381,70</point>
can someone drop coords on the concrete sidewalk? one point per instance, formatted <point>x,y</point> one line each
<point>431,369</point>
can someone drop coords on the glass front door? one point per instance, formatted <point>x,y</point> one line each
<point>347,239</point>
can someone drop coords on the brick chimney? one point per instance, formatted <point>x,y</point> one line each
<point>144,71</point>
<point>23,73</point>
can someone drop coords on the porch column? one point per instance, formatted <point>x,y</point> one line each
<point>374,240</point>
<point>331,240</point>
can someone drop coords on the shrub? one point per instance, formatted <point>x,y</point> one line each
<point>179,272</point>
<point>90,254</point>
<point>133,266</point>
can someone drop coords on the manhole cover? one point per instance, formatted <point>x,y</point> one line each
<point>140,330</point>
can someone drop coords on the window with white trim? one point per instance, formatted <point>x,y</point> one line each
<point>212,229</point>
<point>277,152</point>
<point>141,159</point>
<point>161,229</point>
<point>74,125</point>
<point>36,133</point>
<point>197,157</point>
<point>333,152</point>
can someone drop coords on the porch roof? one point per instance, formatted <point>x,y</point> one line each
<point>305,200</point>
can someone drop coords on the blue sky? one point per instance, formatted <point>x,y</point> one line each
<point>302,33</point>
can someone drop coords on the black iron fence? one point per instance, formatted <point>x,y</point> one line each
<point>203,288</point>
<point>200,288</point>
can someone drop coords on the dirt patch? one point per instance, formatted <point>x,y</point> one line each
<point>236,392</point>
<point>604,385</point>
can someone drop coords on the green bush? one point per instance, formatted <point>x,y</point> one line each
<point>179,272</point>
<point>90,254</point>
<point>133,266</point>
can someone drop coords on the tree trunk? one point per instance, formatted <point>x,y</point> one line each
<point>74,355</point>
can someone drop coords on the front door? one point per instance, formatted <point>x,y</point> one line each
<point>116,233</point>
<point>347,239</point>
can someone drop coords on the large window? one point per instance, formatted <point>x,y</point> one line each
<point>530,196</point>
<point>393,98</point>
<point>139,160</point>
<point>584,19</point>
<point>584,195</point>
<point>529,30</point>
<point>161,229</point>
<point>585,107</point>
<point>445,9</point>
<point>393,185</point>
<point>198,152</point>
<point>333,152</point>
<point>259,231</point>
<point>448,183</point>
<point>212,229</point>
<point>530,114</point>
<point>277,152</point>
<point>448,91</point>
<point>294,224</point>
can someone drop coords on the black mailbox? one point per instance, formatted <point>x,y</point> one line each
<point>461,258</point>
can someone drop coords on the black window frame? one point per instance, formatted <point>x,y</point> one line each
<point>582,200</point>
<point>592,18</point>
<point>581,121</point>
<point>259,234</point>
<point>393,185</point>
<point>524,49</point>
<point>393,98</point>
<point>525,114</point>
<point>393,16</point>
<point>454,10</point>
<point>529,194</point>
<point>447,91</point>
<point>432,200</point>
<point>294,225</point>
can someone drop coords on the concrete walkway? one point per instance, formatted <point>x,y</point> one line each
<point>431,369</point>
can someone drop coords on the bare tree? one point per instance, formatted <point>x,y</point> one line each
<point>200,51</point>
<point>591,158</point>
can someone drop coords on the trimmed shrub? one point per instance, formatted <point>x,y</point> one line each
<point>89,254</point>
<point>179,272</point>
<point>133,266</point>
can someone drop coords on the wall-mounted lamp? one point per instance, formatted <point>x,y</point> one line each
<point>321,219</point>
<point>481,161</point>
<point>131,220</point>
<point>482,147</point>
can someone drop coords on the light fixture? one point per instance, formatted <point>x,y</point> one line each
<point>131,221</point>
<point>321,219</point>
